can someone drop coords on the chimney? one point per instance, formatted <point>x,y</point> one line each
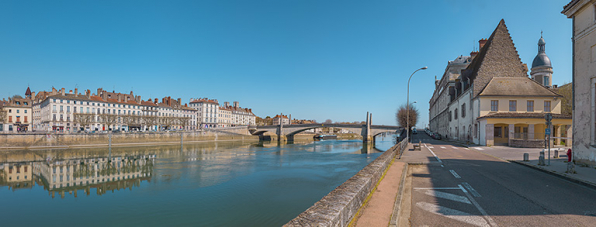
<point>76,92</point>
<point>99,92</point>
<point>236,104</point>
<point>481,43</point>
<point>119,98</point>
<point>54,91</point>
<point>191,99</point>
<point>155,101</point>
<point>179,101</point>
<point>62,91</point>
<point>473,54</point>
<point>88,93</point>
<point>131,94</point>
<point>555,86</point>
<point>226,104</point>
<point>32,95</point>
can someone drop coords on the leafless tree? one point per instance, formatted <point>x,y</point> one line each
<point>151,120</point>
<point>184,122</point>
<point>84,119</point>
<point>402,115</point>
<point>109,119</point>
<point>328,121</point>
<point>2,115</point>
<point>566,90</point>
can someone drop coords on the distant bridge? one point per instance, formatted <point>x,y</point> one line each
<point>287,132</point>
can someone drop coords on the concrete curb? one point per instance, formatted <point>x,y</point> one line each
<point>398,199</point>
<point>562,176</point>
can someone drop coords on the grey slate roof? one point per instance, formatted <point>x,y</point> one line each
<point>516,86</point>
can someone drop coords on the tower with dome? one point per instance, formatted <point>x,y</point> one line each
<point>542,70</point>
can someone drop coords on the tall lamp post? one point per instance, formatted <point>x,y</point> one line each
<point>408,104</point>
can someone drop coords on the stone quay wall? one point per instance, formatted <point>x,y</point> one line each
<point>43,140</point>
<point>339,206</point>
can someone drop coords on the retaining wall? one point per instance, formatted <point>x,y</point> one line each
<point>339,206</point>
<point>529,143</point>
<point>61,140</point>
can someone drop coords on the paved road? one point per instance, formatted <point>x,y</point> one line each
<point>467,188</point>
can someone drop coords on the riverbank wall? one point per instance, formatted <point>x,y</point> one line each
<point>54,140</point>
<point>340,206</point>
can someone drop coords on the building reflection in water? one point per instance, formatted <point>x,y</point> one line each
<point>79,174</point>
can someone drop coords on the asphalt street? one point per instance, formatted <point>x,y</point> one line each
<point>464,187</point>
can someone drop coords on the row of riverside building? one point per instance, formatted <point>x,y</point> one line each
<point>488,98</point>
<point>61,111</point>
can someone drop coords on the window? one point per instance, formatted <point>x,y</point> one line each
<point>494,105</point>
<point>18,111</point>
<point>512,105</point>
<point>498,133</point>
<point>25,111</point>
<point>530,105</point>
<point>455,114</point>
<point>545,81</point>
<point>546,106</point>
<point>463,110</point>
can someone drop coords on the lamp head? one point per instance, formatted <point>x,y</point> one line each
<point>424,67</point>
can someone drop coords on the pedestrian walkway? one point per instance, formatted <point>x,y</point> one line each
<point>378,211</point>
<point>558,166</point>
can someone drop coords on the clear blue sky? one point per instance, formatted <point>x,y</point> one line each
<point>312,59</point>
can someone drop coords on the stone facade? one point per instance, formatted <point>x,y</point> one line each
<point>582,13</point>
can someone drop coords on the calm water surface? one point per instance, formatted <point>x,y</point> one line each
<point>210,184</point>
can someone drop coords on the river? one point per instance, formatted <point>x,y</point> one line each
<point>203,184</point>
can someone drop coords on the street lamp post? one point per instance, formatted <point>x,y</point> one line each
<point>408,104</point>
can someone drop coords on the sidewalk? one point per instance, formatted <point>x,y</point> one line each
<point>584,175</point>
<point>382,209</point>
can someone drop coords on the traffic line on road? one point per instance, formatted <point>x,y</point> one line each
<point>478,148</point>
<point>439,188</point>
<point>453,214</point>
<point>431,151</point>
<point>454,173</point>
<point>431,147</point>
<point>454,148</point>
<point>472,190</point>
<point>484,214</point>
<point>443,147</point>
<point>449,196</point>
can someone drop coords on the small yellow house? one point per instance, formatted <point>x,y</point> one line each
<point>512,112</point>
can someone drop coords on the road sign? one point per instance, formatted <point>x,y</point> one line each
<point>547,131</point>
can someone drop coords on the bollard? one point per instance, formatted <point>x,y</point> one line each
<point>556,153</point>
<point>526,157</point>
<point>541,158</point>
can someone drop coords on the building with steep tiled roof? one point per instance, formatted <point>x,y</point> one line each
<point>494,102</point>
<point>583,14</point>
<point>231,116</point>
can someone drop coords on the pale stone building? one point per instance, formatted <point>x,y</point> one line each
<point>281,119</point>
<point>493,102</point>
<point>207,111</point>
<point>17,114</point>
<point>583,15</point>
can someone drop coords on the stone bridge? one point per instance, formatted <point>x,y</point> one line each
<point>287,132</point>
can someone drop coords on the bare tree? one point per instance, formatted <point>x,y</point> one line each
<point>83,119</point>
<point>566,90</point>
<point>184,122</point>
<point>151,120</point>
<point>402,115</point>
<point>328,121</point>
<point>2,114</point>
<point>109,119</point>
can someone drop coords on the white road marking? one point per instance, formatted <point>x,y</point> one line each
<point>431,151</point>
<point>478,148</point>
<point>453,214</point>
<point>454,148</point>
<point>439,188</point>
<point>488,218</point>
<point>467,148</point>
<point>431,147</point>
<point>449,196</point>
<point>454,173</point>
<point>472,190</point>
<point>443,147</point>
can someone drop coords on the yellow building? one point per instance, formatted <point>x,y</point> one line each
<point>494,102</point>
